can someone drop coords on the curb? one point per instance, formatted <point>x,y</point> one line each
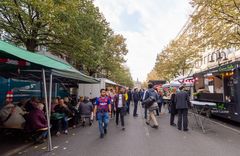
<point>17,150</point>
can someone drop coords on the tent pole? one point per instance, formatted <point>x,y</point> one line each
<point>50,94</point>
<point>46,106</point>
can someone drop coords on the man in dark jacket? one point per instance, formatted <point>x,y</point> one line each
<point>173,110</point>
<point>182,105</point>
<point>136,98</point>
<point>120,105</point>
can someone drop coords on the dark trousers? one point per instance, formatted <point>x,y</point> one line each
<point>172,118</point>
<point>182,118</point>
<point>145,113</point>
<point>135,108</point>
<point>128,106</point>
<point>158,111</point>
<point>120,112</point>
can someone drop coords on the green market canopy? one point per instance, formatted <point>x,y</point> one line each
<point>19,63</point>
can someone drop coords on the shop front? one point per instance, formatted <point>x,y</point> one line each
<point>221,86</point>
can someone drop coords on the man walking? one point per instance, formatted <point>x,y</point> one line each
<point>136,98</point>
<point>120,105</point>
<point>101,110</point>
<point>182,105</point>
<point>129,93</point>
<point>151,93</point>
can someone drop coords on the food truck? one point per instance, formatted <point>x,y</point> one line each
<point>220,85</point>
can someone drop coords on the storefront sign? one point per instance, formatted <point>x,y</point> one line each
<point>226,68</point>
<point>14,62</point>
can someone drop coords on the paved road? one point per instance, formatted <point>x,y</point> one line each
<point>141,140</point>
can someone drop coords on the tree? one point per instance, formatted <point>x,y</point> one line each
<point>34,22</point>
<point>217,23</point>
<point>75,28</point>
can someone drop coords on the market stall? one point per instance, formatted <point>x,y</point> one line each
<point>20,64</point>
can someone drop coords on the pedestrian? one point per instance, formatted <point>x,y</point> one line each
<point>112,95</point>
<point>182,105</point>
<point>145,108</point>
<point>120,106</point>
<point>159,102</point>
<point>86,111</point>
<point>151,93</point>
<point>136,98</point>
<point>129,99</point>
<point>173,110</point>
<point>102,111</point>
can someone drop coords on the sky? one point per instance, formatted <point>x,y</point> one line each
<point>147,25</point>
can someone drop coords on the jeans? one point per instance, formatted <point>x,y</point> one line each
<point>135,108</point>
<point>103,120</point>
<point>62,123</point>
<point>120,111</point>
<point>182,118</point>
<point>128,106</point>
<point>172,118</point>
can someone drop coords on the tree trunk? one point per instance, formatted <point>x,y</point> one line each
<point>31,45</point>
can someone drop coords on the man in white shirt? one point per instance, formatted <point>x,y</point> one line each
<point>120,103</point>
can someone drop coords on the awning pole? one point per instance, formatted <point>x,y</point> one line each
<point>50,94</point>
<point>46,106</point>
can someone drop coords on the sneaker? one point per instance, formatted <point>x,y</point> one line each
<point>66,132</point>
<point>101,135</point>
<point>58,133</point>
<point>147,123</point>
<point>155,126</point>
<point>105,131</point>
<point>185,130</point>
<point>123,128</point>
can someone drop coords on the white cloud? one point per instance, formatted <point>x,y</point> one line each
<point>160,21</point>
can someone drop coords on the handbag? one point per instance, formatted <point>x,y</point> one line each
<point>149,101</point>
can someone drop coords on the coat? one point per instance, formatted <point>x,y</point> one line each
<point>153,93</point>
<point>116,100</point>
<point>16,119</point>
<point>35,120</point>
<point>86,108</point>
<point>136,96</point>
<point>173,104</point>
<point>182,100</point>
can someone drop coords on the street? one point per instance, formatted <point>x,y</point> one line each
<point>141,140</point>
